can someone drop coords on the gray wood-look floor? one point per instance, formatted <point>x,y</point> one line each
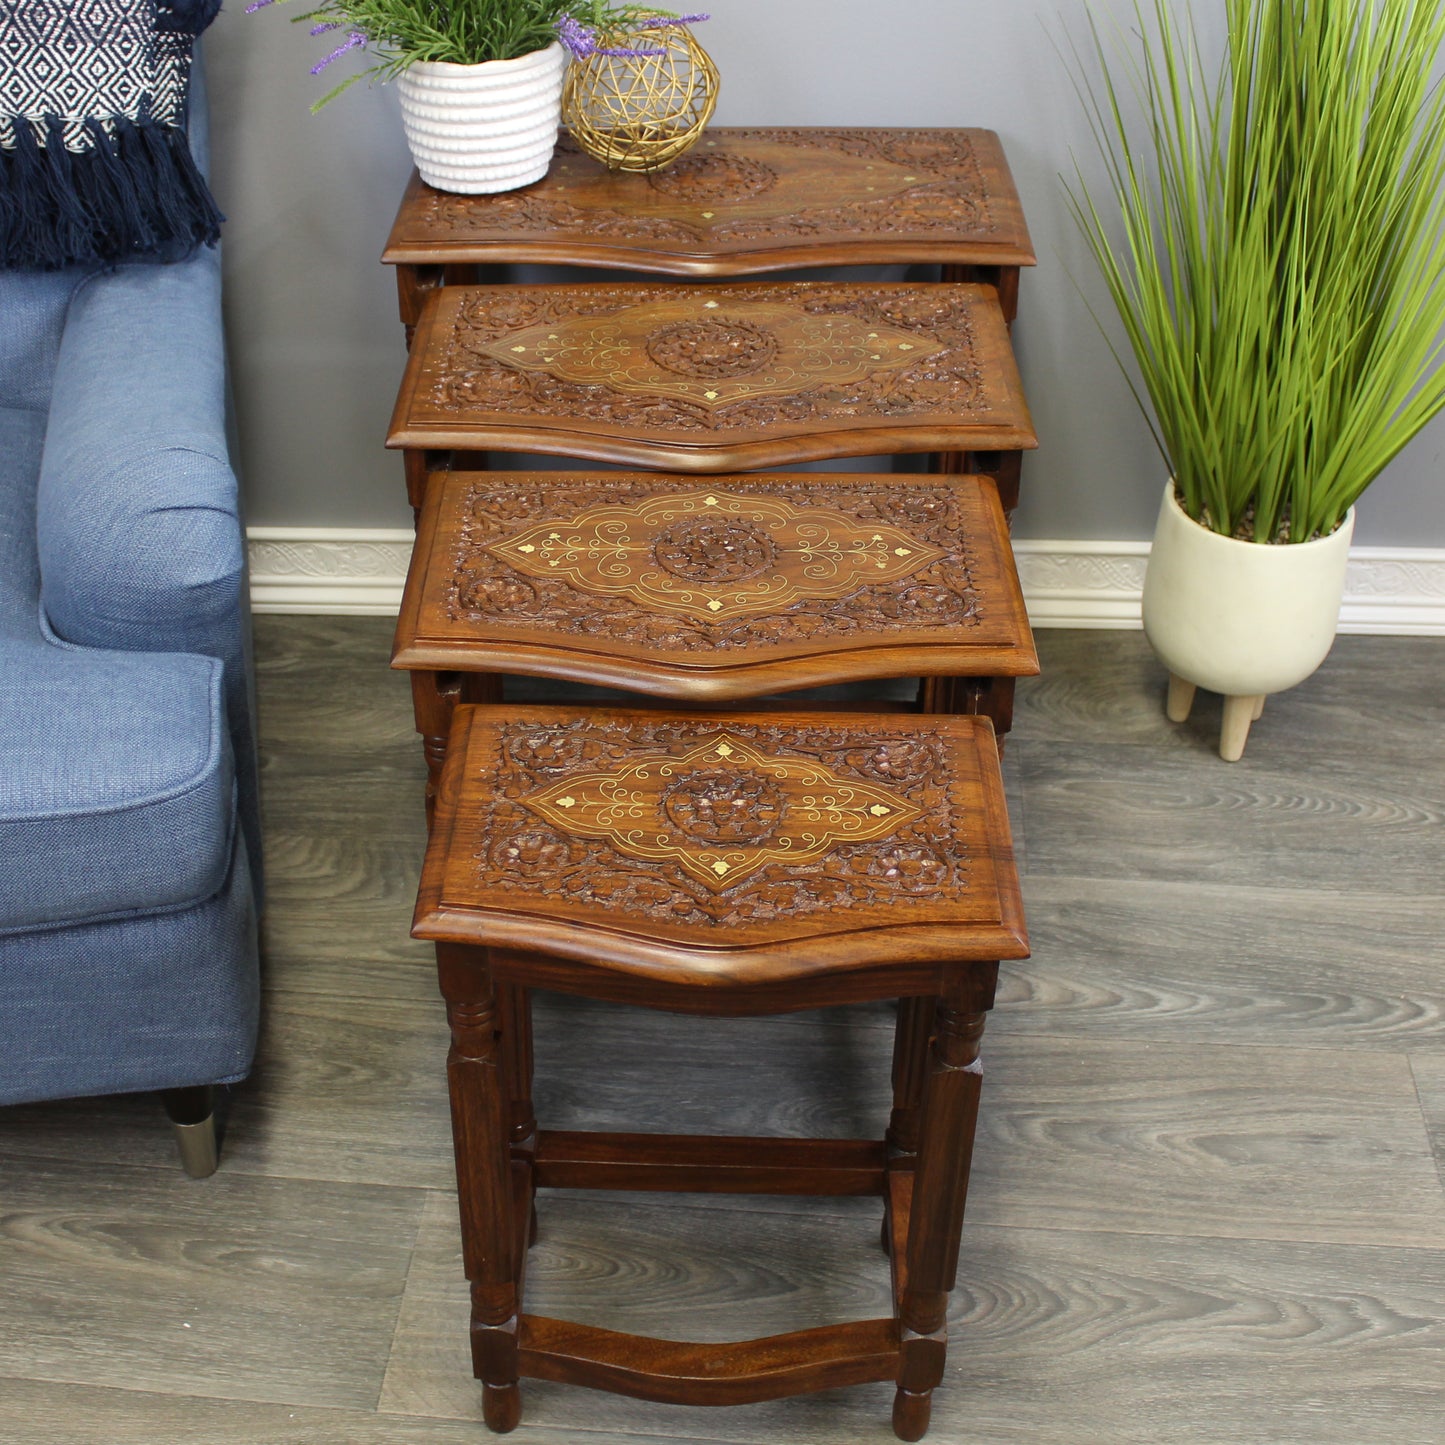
<point>1207,1202</point>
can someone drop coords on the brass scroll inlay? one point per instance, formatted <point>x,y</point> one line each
<point>710,353</point>
<point>722,810</point>
<point>716,555</point>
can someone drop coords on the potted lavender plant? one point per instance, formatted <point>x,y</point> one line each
<point>480,80</point>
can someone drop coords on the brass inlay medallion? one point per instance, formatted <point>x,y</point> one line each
<point>716,555</point>
<point>712,353</point>
<point>722,810</point>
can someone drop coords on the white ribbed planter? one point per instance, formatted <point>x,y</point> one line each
<point>1239,618</point>
<point>480,128</point>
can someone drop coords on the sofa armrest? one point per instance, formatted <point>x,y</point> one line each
<point>137,513</point>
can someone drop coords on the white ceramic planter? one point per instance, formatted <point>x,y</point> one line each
<point>1239,618</point>
<point>475,129</point>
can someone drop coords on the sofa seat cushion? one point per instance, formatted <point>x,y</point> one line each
<point>116,784</point>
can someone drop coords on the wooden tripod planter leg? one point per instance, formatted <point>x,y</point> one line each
<point>1180,700</point>
<point>1239,713</point>
<point>950,1115</point>
<point>481,1125</point>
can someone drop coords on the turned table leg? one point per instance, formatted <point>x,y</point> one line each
<point>950,1115</point>
<point>434,698</point>
<point>515,1009</point>
<point>480,1129</point>
<point>910,1072</point>
<point>990,697</point>
<point>911,1038</point>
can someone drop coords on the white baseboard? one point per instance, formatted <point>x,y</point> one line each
<point>1066,584</point>
<point>322,569</point>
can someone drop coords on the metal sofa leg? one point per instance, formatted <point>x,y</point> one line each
<point>192,1113</point>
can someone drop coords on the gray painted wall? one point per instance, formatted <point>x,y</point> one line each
<point>317,351</point>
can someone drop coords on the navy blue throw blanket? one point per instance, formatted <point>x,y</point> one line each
<point>94,160</point>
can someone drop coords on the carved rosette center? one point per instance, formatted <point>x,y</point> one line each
<point>712,350</point>
<point>715,549</point>
<point>721,176</point>
<point>722,807</point>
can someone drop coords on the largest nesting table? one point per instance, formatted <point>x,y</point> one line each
<point>746,201</point>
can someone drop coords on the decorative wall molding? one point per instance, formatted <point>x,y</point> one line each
<point>323,569</point>
<point>1066,584</point>
<point>1395,589</point>
<point>1082,584</point>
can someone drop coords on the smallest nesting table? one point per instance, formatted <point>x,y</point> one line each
<point>718,864</point>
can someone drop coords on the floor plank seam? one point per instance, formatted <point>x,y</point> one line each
<point>431,1194</point>
<point>1437,1147</point>
<point>1007,1011</point>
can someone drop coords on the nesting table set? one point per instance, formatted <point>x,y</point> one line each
<point>718,848</point>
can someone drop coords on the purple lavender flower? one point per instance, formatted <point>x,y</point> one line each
<point>256,5</point>
<point>584,40</point>
<point>658,21</point>
<point>580,39</point>
<point>323,27</point>
<point>354,41</point>
<point>629,52</point>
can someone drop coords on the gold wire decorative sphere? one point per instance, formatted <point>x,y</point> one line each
<point>641,112</point>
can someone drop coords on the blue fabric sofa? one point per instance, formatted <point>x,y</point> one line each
<point>128,810</point>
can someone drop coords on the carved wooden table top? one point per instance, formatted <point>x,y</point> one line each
<point>718,588</point>
<point>744,201</point>
<point>703,848</point>
<point>713,378</point>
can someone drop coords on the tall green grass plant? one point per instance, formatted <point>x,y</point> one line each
<point>1282,275</point>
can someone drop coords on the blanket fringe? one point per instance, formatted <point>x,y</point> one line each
<point>187,17</point>
<point>134,191</point>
